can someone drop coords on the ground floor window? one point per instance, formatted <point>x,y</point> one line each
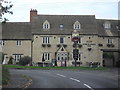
<point>62,56</point>
<point>17,57</point>
<point>45,56</point>
<point>79,56</point>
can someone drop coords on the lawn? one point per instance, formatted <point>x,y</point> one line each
<point>71,68</point>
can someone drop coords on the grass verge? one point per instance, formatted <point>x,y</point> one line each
<point>71,68</point>
<point>5,75</point>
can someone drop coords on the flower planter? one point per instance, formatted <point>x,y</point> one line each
<point>49,45</point>
<point>64,45</point>
<point>110,45</point>
<point>58,45</point>
<point>43,45</point>
<point>73,45</point>
<point>100,45</point>
<point>79,45</point>
<point>89,49</point>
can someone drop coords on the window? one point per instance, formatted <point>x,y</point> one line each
<point>46,25</point>
<point>17,57</point>
<point>19,43</point>
<point>58,58</point>
<point>46,56</point>
<point>2,43</point>
<point>61,40</point>
<point>110,41</point>
<point>61,26</point>
<point>46,40</point>
<point>79,56</point>
<point>107,25</point>
<point>77,25</point>
<point>79,40</point>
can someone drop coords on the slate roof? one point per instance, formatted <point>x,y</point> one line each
<point>100,27</point>
<point>88,24</point>
<point>16,30</point>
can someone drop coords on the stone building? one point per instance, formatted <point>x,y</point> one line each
<point>48,39</point>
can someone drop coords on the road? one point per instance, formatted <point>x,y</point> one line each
<point>71,78</point>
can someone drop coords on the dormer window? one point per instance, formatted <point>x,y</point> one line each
<point>107,25</point>
<point>46,25</point>
<point>77,25</point>
<point>61,26</point>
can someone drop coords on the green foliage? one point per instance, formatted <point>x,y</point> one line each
<point>108,55</point>
<point>25,60</point>
<point>5,76</point>
<point>11,60</point>
<point>70,68</point>
<point>5,8</point>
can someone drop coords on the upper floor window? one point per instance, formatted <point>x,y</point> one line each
<point>77,25</point>
<point>19,43</point>
<point>46,25</point>
<point>46,40</point>
<point>61,39</point>
<point>2,43</point>
<point>110,41</point>
<point>107,25</point>
<point>61,26</point>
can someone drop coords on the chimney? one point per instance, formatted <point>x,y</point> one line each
<point>33,12</point>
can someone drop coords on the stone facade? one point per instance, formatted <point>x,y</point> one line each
<point>48,39</point>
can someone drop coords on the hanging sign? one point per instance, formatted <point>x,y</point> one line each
<point>75,35</point>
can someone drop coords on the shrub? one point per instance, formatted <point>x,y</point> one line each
<point>11,60</point>
<point>25,60</point>
<point>108,55</point>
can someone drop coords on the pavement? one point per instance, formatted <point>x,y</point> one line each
<point>90,79</point>
<point>18,81</point>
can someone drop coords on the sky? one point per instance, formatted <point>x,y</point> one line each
<point>102,9</point>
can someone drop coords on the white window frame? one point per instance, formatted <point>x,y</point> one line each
<point>46,40</point>
<point>77,25</point>
<point>46,25</point>
<point>2,42</point>
<point>46,56</point>
<point>107,25</point>
<point>110,41</point>
<point>79,56</point>
<point>17,57</point>
<point>19,43</point>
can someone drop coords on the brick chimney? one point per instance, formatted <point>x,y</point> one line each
<point>33,12</point>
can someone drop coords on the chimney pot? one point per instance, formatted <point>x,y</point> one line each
<point>33,12</point>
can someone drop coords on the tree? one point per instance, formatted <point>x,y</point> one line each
<point>5,7</point>
<point>25,60</point>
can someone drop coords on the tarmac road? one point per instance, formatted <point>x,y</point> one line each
<point>71,79</point>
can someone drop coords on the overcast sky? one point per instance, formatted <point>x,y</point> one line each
<point>102,9</point>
